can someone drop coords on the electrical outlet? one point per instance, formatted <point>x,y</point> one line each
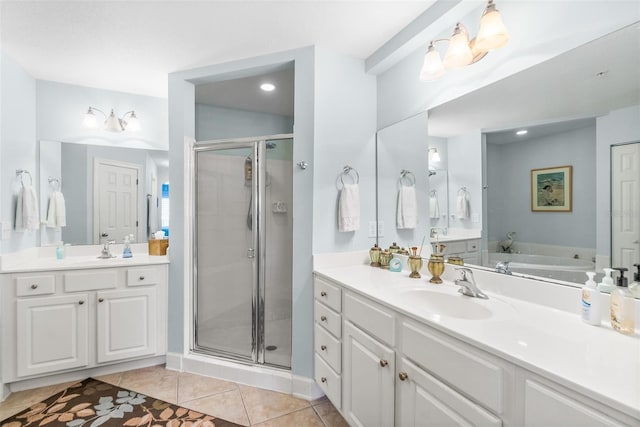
<point>380,228</point>
<point>6,230</point>
<point>372,229</point>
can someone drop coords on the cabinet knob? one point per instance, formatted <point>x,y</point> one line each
<point>81,302</point>
<point>323,318</point>
<point>323,294</point>
<point>323,379</point>
<point>100,299</point>
<point>141,278</point>
<point>34,286</point>
<point>383,363</point>
<point>323,347</point>
<point>403,376</point>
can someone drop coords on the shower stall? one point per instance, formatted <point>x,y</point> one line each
<point>242,237</point>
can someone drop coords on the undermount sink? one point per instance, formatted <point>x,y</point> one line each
<point>454,306</point>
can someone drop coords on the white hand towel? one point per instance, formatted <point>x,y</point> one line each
<point>463,206</point>
<point>57,212</point>
<point>30,215</point>
<point>434,208</point>
<point>19,223</point>
<point>407,212</point>
<point>349,208</point>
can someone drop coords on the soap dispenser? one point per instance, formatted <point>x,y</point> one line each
<point>126,253</point>
<point>606,285</point>
<point>622,306</point>
<point>591,302</point>
<point>634,288</point>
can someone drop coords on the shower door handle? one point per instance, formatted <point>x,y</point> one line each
<point>251,253</point>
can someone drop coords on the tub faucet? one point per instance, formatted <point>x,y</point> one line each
<point>106,250</point>
<point>503,267</point>
<point>434,232</point>
<point>468,285</point>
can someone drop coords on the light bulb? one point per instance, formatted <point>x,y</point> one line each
<point>492,33</point>
<point>112,123</point>
<point>459,54</point>
<point>132,122</point>
<point>90,119</point>
<point>432,67</point>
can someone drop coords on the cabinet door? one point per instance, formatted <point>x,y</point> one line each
<point>126,324</point>
<point>368,379</point>
<point>544,407</point>
<point>52,334</point>
<point>423,400</point>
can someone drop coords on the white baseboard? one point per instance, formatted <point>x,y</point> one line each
<point>306,388</point>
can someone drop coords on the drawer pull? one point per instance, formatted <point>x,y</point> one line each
<point>383,363</point>
<point>100,299</point>
<point>141,278</point>
<point>323,347</point>
<point>81,302</point>
<point>323,379</point>
<point>34,286</point>
<point>323,318</point>
<point>323,294</point>
<point>403,376</point>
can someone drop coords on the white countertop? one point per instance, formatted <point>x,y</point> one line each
<point>596,361</point>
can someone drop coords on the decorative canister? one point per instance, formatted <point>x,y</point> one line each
<point>394,248</point>
<point>436,268</point>
<point>374,254</point>
<point>455,260</point>
<point>415,264</point>
<point>385,257</point>
<point>403,251</point>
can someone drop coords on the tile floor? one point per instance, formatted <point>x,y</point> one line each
<point>234,402</point>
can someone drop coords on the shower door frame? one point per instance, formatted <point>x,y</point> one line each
<point>258,194</point>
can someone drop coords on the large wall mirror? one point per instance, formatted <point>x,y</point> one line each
<point>574,109</point>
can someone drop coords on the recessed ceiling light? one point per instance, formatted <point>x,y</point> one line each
<point>522,132</point>
<point>267,87</point>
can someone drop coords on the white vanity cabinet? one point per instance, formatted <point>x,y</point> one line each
<point>57,321</point>
<point>328,339</point>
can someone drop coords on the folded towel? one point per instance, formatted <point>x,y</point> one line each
<point>57,212</point>
<point>407,212</point>
<point>27,216</point>
<point>349,208</point>
<point>463,206</point>
<point>434,208</point>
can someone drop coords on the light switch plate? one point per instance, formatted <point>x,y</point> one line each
<point>372,229</point>
<point>380,228</point>
<point>6,230</point>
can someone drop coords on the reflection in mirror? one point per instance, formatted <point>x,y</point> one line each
<point>128,183</point>
<point>574,107</point>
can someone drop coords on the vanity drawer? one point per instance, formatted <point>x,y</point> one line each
<point>329,382</point>
<point>328,318</point>
<point>473,245</point>
<point>329,348</point>
<point>327,293</point>
<point>35,285</point>
<point>144,276</point>
<point>453,363</point>
<point>90,280</point>
<point>371,317</point>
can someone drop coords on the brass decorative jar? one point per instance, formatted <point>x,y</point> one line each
<point>436,268</point>
<point>374,254</point>
<point>415,264</point>
<point>394,248</point>
<point>455,260</point>
<point>385,258</point>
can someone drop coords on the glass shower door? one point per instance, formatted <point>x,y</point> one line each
<point>226,244</point>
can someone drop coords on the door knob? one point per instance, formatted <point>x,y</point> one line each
<point>323,347</point>
<point>383,363</point>
<point>403,376</point>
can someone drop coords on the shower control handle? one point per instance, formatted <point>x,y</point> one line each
<point>251,253</point>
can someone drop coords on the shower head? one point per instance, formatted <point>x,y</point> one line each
<point>432,172</point>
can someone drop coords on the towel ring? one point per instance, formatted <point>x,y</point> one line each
<point>433,193</point>
<point>347,171</point>
<point>55,183</point>
<point>20,173</point>
<point>411,178</point>
<point>462,190</point>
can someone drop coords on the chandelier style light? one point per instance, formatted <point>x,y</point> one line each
<point>462,51</point>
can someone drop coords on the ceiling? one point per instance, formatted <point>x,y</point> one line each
<point>131,46</point>
<point>590,80</point>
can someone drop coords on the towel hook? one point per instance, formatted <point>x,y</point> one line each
<point>410,177</point>
<point>347,171</point>
<point>55,183</point>
<point>20,173</point>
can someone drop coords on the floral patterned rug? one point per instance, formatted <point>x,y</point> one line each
<point>93,403</point>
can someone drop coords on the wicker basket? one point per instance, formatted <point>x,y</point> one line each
<point>158,246</point>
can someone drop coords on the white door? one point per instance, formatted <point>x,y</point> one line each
<point>625,205</point>
<point>126,324</point>
<point>368,391</point>
<point>52,334</point>
<point>116,202</point>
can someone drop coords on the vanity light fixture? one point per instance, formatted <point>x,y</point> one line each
<point>434,156</point>
<point>112,123</point>
<point>462,51</point>
<point>522,132</point>
<point>267,87</point>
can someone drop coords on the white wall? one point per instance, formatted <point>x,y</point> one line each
<point>220,123</point>
<point>509,195</point>
<point>17,146</point>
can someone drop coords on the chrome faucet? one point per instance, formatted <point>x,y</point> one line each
<point>503,267</point>
<point>468,285</point>
<point>106,250</point>
<point>433,232</point>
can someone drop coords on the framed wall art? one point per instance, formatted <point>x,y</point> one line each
<point>551,189</point>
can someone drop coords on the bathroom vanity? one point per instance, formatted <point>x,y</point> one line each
<point>80,314</point>
<point>390,350</point>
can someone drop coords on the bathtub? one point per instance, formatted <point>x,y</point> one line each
<point>551,267</point>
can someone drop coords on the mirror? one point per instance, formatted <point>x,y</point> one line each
<point>73,168</point>
<point>574,106</point>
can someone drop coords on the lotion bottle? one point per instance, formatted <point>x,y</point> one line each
<point>622,304</point>
<point>606,285</point>
<point>591,302</point>
<point>126,253</point>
